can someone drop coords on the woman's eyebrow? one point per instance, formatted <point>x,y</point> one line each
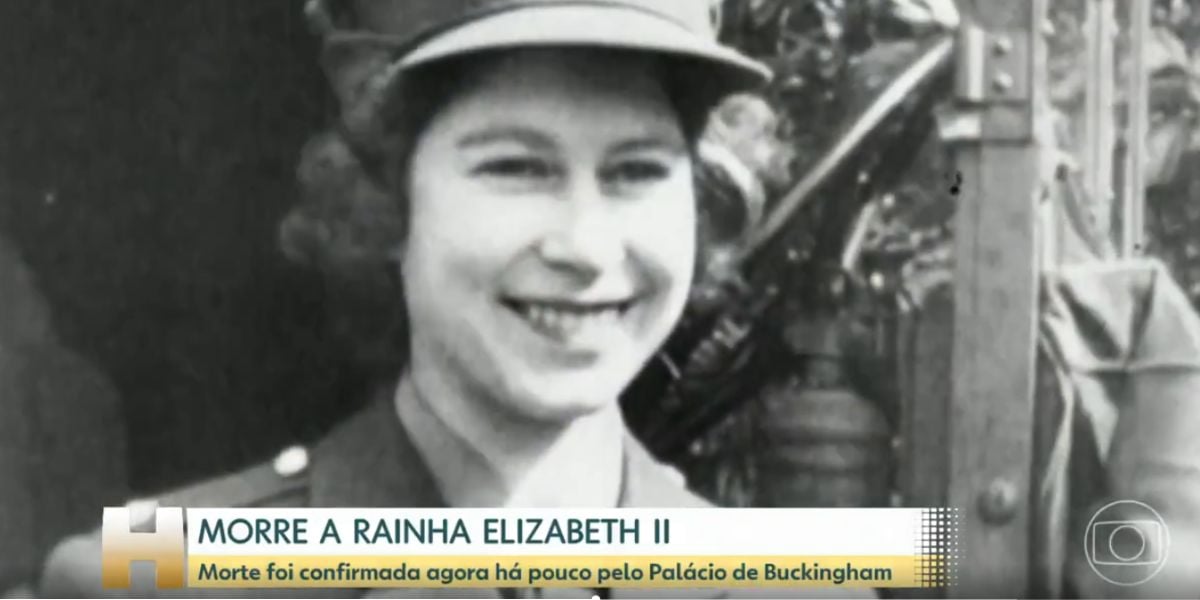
<point>523,135</point>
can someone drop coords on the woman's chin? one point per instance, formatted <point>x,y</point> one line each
<point>560,400</point>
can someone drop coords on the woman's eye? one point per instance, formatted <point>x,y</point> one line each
<point>523,168</point>
<point>637,172</point>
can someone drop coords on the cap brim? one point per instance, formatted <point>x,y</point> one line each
<point>596,26</point>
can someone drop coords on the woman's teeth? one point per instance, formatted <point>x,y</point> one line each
<point>568,321</point>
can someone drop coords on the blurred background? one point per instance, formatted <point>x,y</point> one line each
<point>147,155</point>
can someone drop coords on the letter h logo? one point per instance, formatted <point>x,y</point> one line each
<point>121,546</point>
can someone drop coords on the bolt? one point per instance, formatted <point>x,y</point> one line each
<point>999,502</point>
<point>1003,82</point>
<point>1048,28</point>
<point>1002,46</point>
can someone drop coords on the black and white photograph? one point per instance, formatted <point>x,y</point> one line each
<point>607,254</point>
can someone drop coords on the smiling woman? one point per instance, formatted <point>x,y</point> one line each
<point>525,219</point>
<point>514,179</point>
<point>539,244</point>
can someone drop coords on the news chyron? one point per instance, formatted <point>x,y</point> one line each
<point>530,548</point>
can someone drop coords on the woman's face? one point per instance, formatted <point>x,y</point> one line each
<point>552,238</point>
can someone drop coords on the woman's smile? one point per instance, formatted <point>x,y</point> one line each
<point>573,324</point>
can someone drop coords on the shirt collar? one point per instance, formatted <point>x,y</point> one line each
<point>369,461</point>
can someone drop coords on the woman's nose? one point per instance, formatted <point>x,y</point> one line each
<point>587,238</point>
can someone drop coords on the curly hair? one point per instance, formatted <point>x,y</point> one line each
<point>352,216</point>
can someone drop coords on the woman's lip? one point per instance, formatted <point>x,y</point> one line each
<point>571,304</point>
<point>575,333</point>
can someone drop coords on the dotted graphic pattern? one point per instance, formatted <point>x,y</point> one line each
<point>937,549</point>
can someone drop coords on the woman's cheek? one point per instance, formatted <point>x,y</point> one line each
<point>663,231</point>
<point>662,245</point>
<point>474,220</point>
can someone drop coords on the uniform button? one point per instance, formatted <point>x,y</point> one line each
<point>291,462</point>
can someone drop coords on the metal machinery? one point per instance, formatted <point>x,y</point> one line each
<point>1016,218</point>
<point>959,429</point>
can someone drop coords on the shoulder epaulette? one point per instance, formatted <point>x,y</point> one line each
<point>282,481</point>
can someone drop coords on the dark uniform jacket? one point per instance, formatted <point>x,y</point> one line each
<point>368,461</point>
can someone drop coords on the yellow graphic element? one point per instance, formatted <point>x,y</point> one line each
<point>121,547</point>
<point>422,571</point>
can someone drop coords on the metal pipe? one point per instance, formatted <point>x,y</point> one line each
<point>920,72</point>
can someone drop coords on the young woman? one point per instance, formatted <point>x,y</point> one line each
<point>523,170</point>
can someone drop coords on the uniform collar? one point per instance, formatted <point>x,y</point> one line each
<point>369,461</point>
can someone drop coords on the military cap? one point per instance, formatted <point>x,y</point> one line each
<point>424,31</point>
<point>370,44</point>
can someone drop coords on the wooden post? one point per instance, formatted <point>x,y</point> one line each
<point>990,418</point>
<point>1099,137</point>
<point>1133,200</point>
